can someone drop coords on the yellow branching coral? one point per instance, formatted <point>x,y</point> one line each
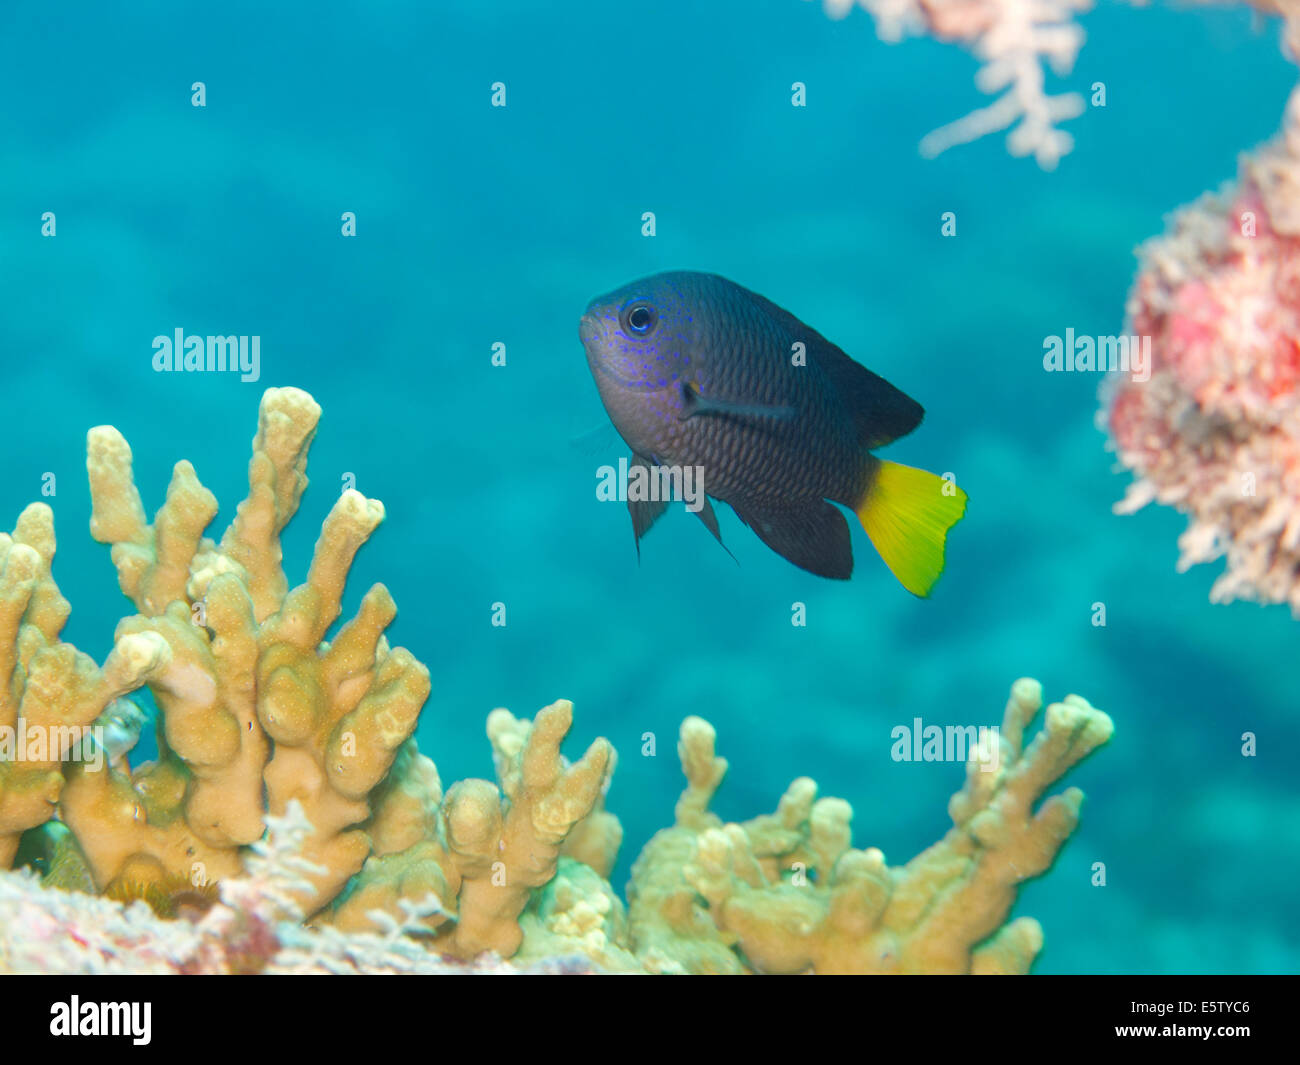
<point>256,708</point>
<point>789,893</point>
<point>49,691</point>
<point>486,849</point>
<point>503,850</point>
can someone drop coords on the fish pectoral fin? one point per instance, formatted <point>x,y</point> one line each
<point>694,404</point>
<point>812,534</point>
<point>644,512</point>
<point>595,441</point>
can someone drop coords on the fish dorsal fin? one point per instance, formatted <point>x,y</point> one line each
<point>881,413</point>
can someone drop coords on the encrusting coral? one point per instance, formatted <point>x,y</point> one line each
<point>290,822</point>
<point>254,928</point>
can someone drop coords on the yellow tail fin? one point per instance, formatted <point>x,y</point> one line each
<point>907,513</point>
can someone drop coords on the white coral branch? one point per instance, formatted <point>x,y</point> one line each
<point>1014,39</point>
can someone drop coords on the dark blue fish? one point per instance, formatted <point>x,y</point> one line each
<point>695,370</point>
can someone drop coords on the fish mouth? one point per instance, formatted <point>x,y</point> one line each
<point>589,329</point>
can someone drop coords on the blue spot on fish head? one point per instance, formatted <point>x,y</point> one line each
<point>643,335</point>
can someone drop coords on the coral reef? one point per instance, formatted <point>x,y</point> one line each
<point>290,822</point>
<point>1216,429</point>
<point>782,893</point>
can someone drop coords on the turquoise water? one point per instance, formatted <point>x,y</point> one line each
<point>478,225</point>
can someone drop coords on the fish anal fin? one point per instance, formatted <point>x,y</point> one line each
<point>811,533</point>
<point>709,517</point>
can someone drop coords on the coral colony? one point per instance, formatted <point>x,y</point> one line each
<point>1216,431</point>
<point>290,823</point>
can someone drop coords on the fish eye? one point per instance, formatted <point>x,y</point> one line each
<point>640,319</point>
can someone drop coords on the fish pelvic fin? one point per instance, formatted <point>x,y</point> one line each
<point>907,514</point>
<point>644,512</point>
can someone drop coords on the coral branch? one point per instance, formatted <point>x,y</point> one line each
<point>484,851</point>
<point>1013,39</point>
<point>50,692</point>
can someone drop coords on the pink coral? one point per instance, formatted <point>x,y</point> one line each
<point>1216,429</point>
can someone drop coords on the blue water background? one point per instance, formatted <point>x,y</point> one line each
<point>479,225</point>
